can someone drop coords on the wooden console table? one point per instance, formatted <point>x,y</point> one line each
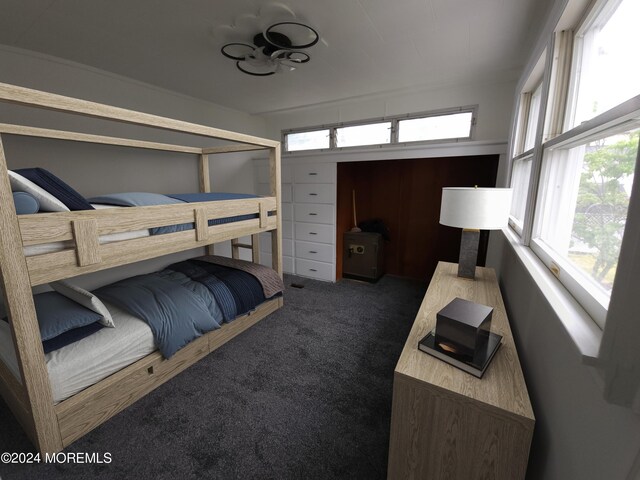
<point>446,423</point>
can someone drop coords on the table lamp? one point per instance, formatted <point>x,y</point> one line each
<point>474,209</point>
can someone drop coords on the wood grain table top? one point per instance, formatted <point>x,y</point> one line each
<point>503,385</point>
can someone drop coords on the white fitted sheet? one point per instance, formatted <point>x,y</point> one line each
<point>51,247</point>
<point>81,364</point>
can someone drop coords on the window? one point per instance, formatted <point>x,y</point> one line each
<point>370,134</point>
<point>532,118</point>
<point>583,210</point>
<point>583,170</point>
<point>314,140</point>
<point>457,125</point>
<point>521,171</point>
<point>527,126</point>
<point>605,72</point>
<point>453,124</point>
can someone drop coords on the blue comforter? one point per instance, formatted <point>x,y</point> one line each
<point>144,199</point>
<point>236,292</point>
<point>175,314</point>
<point>185,300</point>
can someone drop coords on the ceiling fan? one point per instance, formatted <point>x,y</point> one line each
<point>278,48</point>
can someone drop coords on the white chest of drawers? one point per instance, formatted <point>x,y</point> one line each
<point>308,214</point>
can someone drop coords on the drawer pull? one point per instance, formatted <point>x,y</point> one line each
<point>313,214</point>
<point>313,194</point>
<point>312,173</point>
<point>312,251</point>
<point>312,233</point>
<point>313,270</point>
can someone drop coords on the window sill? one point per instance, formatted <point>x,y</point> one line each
<point>581,328</point>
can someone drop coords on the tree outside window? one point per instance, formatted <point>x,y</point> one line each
<point>603,200</point>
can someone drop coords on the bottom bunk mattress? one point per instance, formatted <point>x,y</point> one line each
<point>159,311</point>
<point>81,364</point>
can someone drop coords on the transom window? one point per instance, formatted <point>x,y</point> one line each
<point>313,140</point>
<point>451,125</point>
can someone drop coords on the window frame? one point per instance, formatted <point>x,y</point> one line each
<point>285,140</point>
<point>538,78</point>
<point>597,11</point>
<point>473,109</point>
<point>344,127</point>
<point>593,300</point>
<point>558,98</point>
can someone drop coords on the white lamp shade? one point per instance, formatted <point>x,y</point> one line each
<point>477,208</point>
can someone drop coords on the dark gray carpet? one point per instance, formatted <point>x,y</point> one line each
<point>304,394</point>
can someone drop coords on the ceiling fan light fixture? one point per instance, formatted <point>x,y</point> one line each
<point>237,51</point>
<point>281,44</point>
<point>297,35</point>
<point>256,70</point>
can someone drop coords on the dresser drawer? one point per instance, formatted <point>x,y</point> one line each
<point>287,229</point>
<point>314,232</point>
<point>318,173</point>
<point>287,211</point>
<point>287,262</point>
<point>315,193</point>
<point>321,252</point>
<point>265,189</point>
<point>310,268</point>
<point>287,232</point>
<point>265,244</point>
<point>314,213</point>
<point>263,174</point>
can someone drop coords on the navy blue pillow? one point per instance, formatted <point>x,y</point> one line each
<point>58,314</point>
<point>25,203</point>
<point>70,336</point>
<point>56,187</point>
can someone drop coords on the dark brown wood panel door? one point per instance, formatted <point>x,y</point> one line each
<point>405,195</point>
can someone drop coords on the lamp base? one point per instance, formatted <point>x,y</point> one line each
<point>468,253</point>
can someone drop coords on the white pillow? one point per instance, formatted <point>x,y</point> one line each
<point>84,298</point>
<point>48,203</point>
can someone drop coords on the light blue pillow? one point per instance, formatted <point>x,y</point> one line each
<point>58,314</point>
<point>134,199</point>
<point>26,204</point>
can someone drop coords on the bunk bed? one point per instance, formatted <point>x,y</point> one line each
<point>52,426</point>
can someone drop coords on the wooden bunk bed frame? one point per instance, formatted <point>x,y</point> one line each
<point>51,427</point>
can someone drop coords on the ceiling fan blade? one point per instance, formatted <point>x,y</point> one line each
<point>298,56</point>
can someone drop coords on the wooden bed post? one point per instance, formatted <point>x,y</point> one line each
<point>204,183</point>
<point>44,430</point>
<point>275,176</point>
<point>255,248</point>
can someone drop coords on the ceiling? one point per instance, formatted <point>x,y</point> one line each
<point>367,47</point>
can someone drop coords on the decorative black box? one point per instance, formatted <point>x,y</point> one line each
<point>462,327</point>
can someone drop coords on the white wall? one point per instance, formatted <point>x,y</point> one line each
<point>97,169</point>
<point>494,101</point>
<point>577,435</point>
<point>94,170</point>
